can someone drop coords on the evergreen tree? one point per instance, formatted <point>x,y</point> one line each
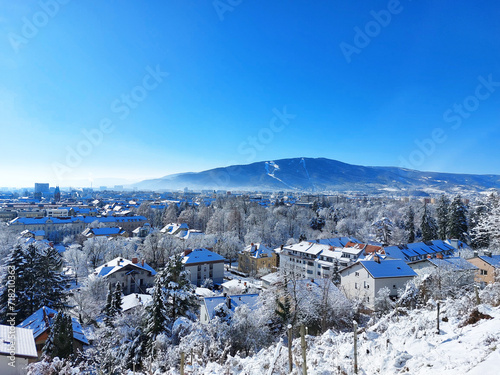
<point>428,226</point>
<point>457,220</point>
<point>60,340</point>
<point>38,280</point>
<point>336,273</point>
<point>156,311</point>
<point>117,298</point>
<point>180,297</point>
<point>442,210</point>
<point>409,224</point>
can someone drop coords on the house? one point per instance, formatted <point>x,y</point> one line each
<point>17,350</point>
<point>299,259</point>
<point>41,321</point>
<point>134,276</point>
<point>257,257</point>
<point>237,286</point>
<point>208,305</point>
<point>175,229</point>
<point>458,268</point>
<point>365,278</point>
<point>420,250</point>
<point>202,264</point>
<point>488,265</point>
<point>104,232</point>
<point>271,279</point>
<point>134,300</point>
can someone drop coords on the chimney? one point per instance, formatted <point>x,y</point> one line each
<point>142,262</point>
<point>439,256</point>
<point>476,253</point>
<point>488,254</point>
<point>187,252</point>
<point>135,260</point>
<point>376,258</point>
<point>429,256</point>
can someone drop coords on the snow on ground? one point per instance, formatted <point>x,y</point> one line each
<point>394,345</point>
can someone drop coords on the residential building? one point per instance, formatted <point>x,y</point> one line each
<point>105,232</point>
<point>488,266</point>
<point>40,323</point>
<point>135,300</point>
<point>134,276</point>
<point>365,278</point>
<point>420,250</point>
<point>257,257</point>
<point>459,269</point>
<point>17,350</point>
<point>202,264</point>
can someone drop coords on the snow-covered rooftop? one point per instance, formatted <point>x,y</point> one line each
<point>38,324</point>
<point>388,268</point>
<point>251,300</point>
<point>118,264</point>
<point>19,338</point>
<point>134,300</point>
<point>201,256</point>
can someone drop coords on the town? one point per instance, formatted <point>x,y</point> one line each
<point>117,280</point>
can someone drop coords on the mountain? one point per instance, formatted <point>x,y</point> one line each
<point>319,174</point>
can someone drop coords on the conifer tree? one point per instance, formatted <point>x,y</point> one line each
<point>117,298</point>
<point>442,210</point>
<point>410,224</point>
<point>428,226</point>
<point>457,220</point>
<point>60,340</point>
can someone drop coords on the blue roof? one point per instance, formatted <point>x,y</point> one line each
<point>201,256</point>
<point>388,268</point>
<point>455,263</point>
<point>420,250</point>
<point>336,242</point>
<point>106,231</point>
<point>85,219</point>
<point>251,300</point>
<point>494,260</point>
<point>104,271</point>
<point>38,325</point>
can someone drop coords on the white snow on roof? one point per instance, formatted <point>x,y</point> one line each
<point>134,300</point>
<point>20,338</point>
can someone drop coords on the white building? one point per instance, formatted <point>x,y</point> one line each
<point>17,347</point>
<point>202,264</point>
<point>365,278</point>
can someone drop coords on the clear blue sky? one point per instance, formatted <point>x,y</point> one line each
<point>363,88</point>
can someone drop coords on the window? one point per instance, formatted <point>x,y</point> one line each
<point>356,273</point>
<point>484,272</point>
<point>355,285</point>
<point>394,287</point>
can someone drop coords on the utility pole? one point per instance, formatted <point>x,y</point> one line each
<point>355,347</point>
<point>290,359</point>
<point>437,320</point>
<point>182,363</point>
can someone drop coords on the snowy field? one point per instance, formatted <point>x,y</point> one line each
<point>396,344</point>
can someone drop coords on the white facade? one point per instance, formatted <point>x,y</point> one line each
<point>358,283</point>
<point>202,264</point>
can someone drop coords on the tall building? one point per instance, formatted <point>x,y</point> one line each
<point>40,190</point>
<point>57,194</point>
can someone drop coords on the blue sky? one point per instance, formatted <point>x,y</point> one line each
<point>162,87</point>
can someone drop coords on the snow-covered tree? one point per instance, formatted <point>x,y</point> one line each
<point>409,224</point>
<point>383,230</point>
<point>60,340</point>
<point>457,220</point>
<point>442,210</point>
<point>428,225</point>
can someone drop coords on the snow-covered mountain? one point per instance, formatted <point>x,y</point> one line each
<point>320,174</point>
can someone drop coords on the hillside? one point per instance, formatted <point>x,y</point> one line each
<point>317,175</point>
<point>396,344</point>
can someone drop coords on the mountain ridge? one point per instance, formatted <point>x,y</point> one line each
<point>318,175</point>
